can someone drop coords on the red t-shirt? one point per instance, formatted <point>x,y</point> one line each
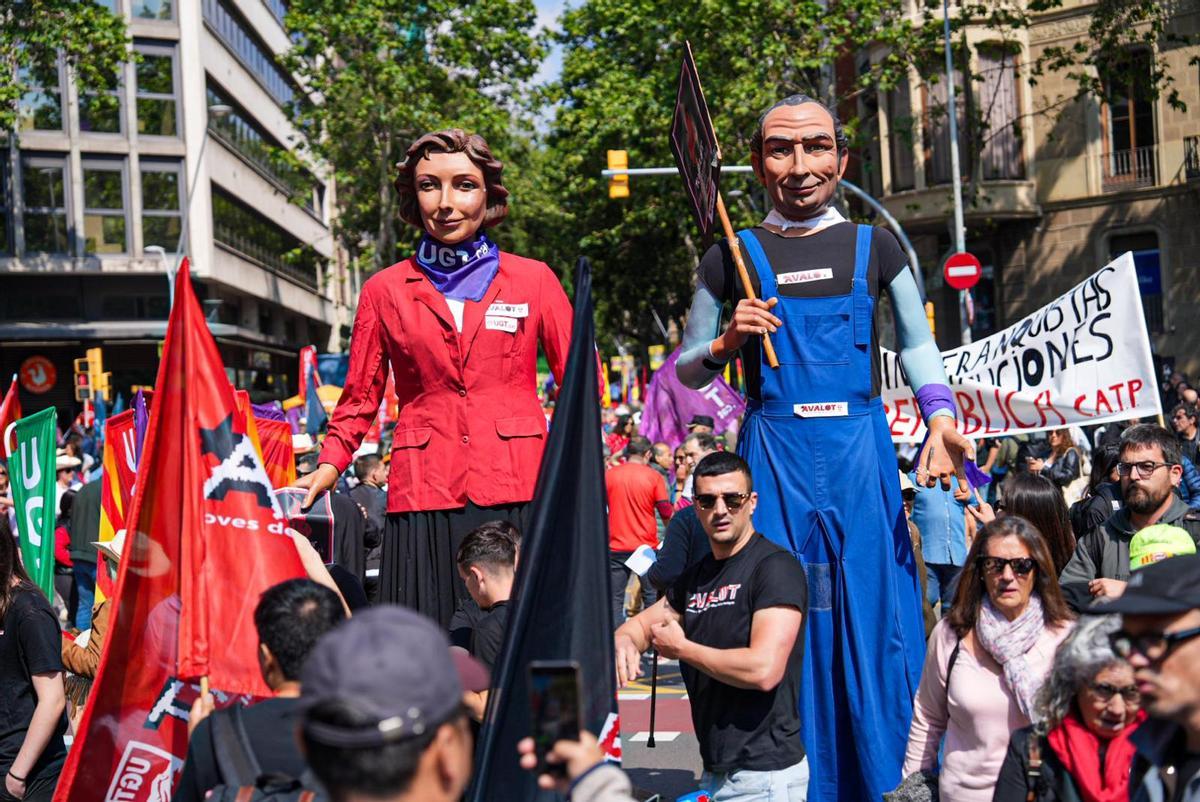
<point>633,491</point>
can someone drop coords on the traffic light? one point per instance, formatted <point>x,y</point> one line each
<point>83,380</point>
<point>98,380</point>
<point>618,185</point>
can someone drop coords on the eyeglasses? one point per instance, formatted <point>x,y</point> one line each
<point>1144,468</point>
<point>733,501</point>
<point>680,459</point>
<point>1152,645</point>
<point>995,565</point>
<point>1105,692</point>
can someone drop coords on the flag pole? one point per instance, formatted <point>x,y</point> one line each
<point>743,274</point>
<point>650,744</point>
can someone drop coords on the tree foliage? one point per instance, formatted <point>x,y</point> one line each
<point>379,73</point>
<point>34,34</point>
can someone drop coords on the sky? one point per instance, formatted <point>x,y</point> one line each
<point>547,17</point>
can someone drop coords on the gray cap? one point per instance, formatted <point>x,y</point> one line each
<point>391,665</point>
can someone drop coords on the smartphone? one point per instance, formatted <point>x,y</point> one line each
<point>554,701</point>
<point>315,523</point>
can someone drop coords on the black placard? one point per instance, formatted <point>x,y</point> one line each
<point>694,144</point>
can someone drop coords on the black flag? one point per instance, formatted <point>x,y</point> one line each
<point>561,608</point>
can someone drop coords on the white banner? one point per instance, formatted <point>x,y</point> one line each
<point>1082,359</point>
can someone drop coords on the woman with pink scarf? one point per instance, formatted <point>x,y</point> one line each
<point>987,660</point>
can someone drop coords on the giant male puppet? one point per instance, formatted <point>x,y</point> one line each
<point>818,443</point>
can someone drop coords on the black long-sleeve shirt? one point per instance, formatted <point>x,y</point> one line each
<point>684,544</point>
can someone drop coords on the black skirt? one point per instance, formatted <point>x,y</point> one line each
<point>417,567</point>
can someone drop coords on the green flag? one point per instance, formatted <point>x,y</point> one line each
<point>32,477</point>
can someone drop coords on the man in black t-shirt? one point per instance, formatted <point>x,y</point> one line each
<point>733,620</point>
<point>290,618</point>
<point>487,563</point>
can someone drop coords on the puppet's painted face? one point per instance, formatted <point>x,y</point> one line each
<point>451,196</point>
<point>799,164</point>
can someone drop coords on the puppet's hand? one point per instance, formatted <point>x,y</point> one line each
<point>943,456</point>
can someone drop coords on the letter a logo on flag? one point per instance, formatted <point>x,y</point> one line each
<point>204,539</point>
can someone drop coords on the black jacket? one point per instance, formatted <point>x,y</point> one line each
<point>1090,513</point>
<point>85,522</point>
<point>1054,784</point>
<point>1065,468</point>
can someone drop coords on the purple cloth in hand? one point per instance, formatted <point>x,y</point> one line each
<point>934,397</point>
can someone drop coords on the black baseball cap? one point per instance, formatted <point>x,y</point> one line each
<point>391,665</point>
<point>1163,588</point>
<point>702,420</point>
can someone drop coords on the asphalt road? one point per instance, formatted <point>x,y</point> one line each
<point>672,768</point>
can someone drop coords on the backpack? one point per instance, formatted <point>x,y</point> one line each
<point>241,773</point>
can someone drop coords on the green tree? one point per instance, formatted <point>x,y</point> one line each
<point>379,73</point>
<point>35,34</point>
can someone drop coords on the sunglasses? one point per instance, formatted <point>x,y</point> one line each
<point>995,565</point>
<point>1105,692</point>
<point>1152,645</point>
<point>733,501</point>
<point>679,460</point>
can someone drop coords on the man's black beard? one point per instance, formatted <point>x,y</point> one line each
<point>1146,502</point>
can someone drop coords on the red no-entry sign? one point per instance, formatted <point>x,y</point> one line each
<point>962,271</point>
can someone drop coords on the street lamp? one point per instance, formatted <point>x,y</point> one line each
<point>215,111</point>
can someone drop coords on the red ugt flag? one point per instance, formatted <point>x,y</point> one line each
<point>204,538</point>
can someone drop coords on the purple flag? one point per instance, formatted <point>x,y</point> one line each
<point>270,411</point>
<point>292,416</point>
<point>141,422</point>
<point>669,405</point>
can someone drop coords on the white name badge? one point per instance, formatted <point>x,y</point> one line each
<point>804,276</point>
<point>822,409</point>
<point>508,324</point>
<point>509,310</point>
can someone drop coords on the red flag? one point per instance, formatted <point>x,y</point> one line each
<point>275,436</point>
<point>205,537</point>
<point>308,362</point>
<point>10,411</point>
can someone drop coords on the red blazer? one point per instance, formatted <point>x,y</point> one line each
<point>470,425</point>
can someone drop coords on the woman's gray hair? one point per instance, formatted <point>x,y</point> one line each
<point>1084,654</point>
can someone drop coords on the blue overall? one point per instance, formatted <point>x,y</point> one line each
<point>828,490</point>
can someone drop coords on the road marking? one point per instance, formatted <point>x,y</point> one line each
<point>642,737</point>
<point>626,696</point>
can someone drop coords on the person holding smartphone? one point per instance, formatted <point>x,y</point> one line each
<point>734,621</point>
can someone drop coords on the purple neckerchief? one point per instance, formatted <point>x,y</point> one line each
<point>932,398</point>
<point>461,272</point>
<point>271,411</point>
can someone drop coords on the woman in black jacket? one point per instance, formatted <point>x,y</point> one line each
<point>1103,496</point>
<point>1080,750</point>
<point>1062,466</point>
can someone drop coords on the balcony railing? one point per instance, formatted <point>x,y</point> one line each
<point>1129,169</point>
<point>1191,157</point>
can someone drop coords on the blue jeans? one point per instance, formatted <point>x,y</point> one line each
<point>942,582</point>
<point>743,785</point>
<point>85,585</point>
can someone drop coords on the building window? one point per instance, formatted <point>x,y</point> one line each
<point>101,113</point>
<point>43,187</point>
<point>240,133</point>
<point>161,215</point>
<point>277,8</point>
<point>937,129</point>
<point>871,151</point>
<point>5,206</point>
<point>156,92</point>
<point>256,56</point>
<point>153,9</point>
<point>999,131</point>
<point>40,108</point>
<point>902,131</point>
<point>104,228</point>
<point>1147,263</point>
<point>241,229</point>
<point>1129,125</point>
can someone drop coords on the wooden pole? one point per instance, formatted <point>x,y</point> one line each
<point>743,274</point>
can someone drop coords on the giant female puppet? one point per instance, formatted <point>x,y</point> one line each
<point>458,324</point>
<point>818,443</point>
